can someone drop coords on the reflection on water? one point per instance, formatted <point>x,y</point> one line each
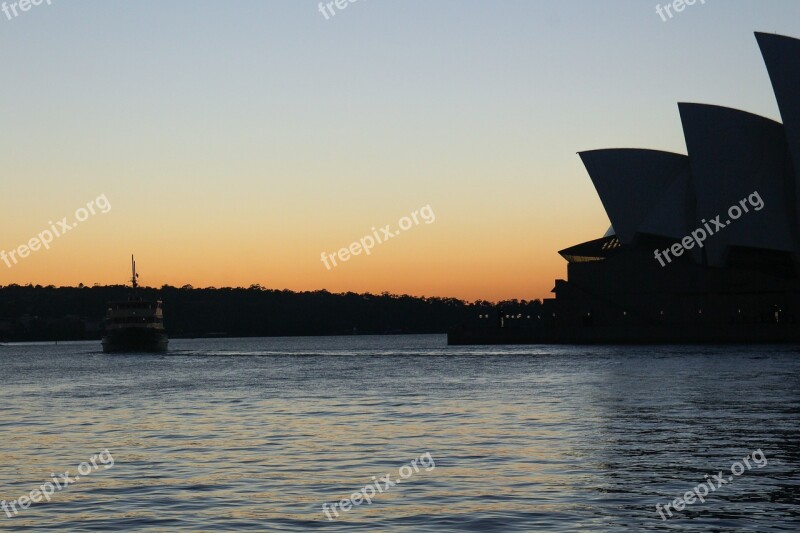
<point>256,434</point>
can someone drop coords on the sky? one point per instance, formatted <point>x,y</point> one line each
<point>233,143</point>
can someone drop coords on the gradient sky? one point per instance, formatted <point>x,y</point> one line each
<point>237,140</point>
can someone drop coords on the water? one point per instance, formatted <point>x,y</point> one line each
<point>256,434</point>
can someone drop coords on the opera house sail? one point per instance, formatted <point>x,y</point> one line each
<point>705,246</point>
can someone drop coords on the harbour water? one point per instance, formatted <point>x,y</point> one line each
<point>258,434</point>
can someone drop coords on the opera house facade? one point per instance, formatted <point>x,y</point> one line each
<point>651,278</point>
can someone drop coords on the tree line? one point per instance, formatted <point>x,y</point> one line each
<point>38,313</point>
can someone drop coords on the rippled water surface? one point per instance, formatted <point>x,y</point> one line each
<point>256,434</point>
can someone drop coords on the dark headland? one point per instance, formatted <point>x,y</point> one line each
<point>36,313</point>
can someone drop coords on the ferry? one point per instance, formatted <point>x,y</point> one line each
<point>135,325</point>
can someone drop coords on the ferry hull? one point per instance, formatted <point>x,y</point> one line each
<point>135,340</point>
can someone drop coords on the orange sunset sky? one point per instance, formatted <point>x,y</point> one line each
<point>237,143</point>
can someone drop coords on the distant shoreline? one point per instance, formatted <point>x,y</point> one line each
<point>49,314</point>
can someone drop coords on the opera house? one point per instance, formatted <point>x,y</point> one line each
<point>741,283</point>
